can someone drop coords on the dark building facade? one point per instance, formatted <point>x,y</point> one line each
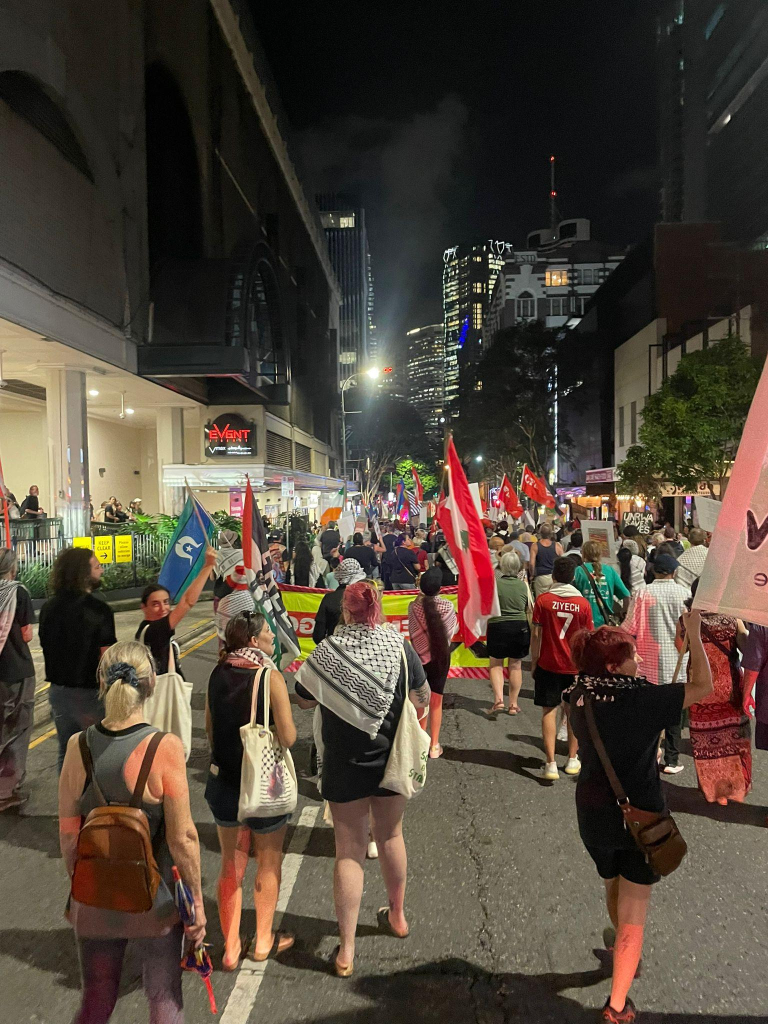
<point>343,220</point>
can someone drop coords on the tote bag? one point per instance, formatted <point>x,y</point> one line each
<point>268,785</point>
<point>406,771</point>
<point>169,708</point>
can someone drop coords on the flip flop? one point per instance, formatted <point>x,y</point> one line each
<point>282,942</point>
<point>382,916</point>
<point>229,968</point>
<point>341,970</point>
<point>436,751</point>
<point>514,710</point>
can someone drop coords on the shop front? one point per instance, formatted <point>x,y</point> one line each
<point>600,501</point>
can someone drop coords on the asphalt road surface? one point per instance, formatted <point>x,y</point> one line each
<point>505,907</point>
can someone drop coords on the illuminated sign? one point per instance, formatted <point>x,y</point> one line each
<point>230,435</point>
<point>463,333</point>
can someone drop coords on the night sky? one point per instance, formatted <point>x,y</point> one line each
<point>442,117</point>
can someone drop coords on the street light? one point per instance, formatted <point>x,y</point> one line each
<point>478,458</point>
<point>372,373</point>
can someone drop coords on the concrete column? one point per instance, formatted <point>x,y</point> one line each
<point>170,452</point>
<point>67,420</point>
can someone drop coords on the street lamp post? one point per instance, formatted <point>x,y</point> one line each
<point>372,373</point>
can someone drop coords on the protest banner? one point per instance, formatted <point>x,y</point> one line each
<point>600,531</point>
<point>708,511</point>
<point>642,521</point>
<point>735,576</point>
<point>302,603</point>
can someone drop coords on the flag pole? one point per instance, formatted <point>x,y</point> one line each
<point>193,499</point>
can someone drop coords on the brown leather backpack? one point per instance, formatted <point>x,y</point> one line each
<point>115,867</point>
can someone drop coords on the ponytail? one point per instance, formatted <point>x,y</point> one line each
<point>126,679</point>
<point>591,553</point>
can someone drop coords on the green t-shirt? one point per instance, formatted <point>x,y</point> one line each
<point>513,599</point>
<point>610,586</point>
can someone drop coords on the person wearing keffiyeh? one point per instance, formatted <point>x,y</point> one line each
<point>361,677</point>
<point>17,682</point>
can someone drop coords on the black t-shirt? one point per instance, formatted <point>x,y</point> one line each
<point>73,629</point>
<point>30,504</point>
<point>329,540</point>
<point>629,726</point>
<point>364,555</point>
<point>158,636</point>
<point>403,565</point>
<point>15,660</point>
<point>230,691</point>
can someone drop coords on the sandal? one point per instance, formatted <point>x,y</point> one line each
<point>282,941</point>
<point>382,916</point>
<point>229,968</point>
<point>436,751</point>
<point>498,706</point>
<point>341,970</point>
<point>514,709</point>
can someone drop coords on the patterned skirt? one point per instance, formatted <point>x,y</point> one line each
<point>722,751</point>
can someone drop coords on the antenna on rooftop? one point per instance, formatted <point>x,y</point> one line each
<point>552,198</point>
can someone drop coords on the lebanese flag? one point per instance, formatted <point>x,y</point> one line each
<point>255,547</point>
<point>478,598</point>
<point>509,499</point>
<point>535,488</point>
<point>419,492</point>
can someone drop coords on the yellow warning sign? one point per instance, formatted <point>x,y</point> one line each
<point>102,548</point>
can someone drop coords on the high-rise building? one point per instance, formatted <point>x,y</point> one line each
<point>713,115</point>
<point>469,274</point>
<point>426,374</point>
<point>343,219</point>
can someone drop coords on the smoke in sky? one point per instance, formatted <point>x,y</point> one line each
<point>405,175</point>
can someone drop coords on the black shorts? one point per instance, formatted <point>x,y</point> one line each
<point>630,864</point>
<point>435,679</point>
<point>508,638</point>
<point>223,798</point>
<point>548,687</point>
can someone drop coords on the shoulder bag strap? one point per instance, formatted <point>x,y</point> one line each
<point>602,753</point>
<point>146,767</point>
<point>90,773</point>
<point>263,678</point>
<point>598,596</point>
<point>407,568</point>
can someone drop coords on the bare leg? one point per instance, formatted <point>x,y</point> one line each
<point>435,718</point>
<point>350,824</point>
<point>632,909</point>
<point>612,899</point>
<point>515,681</point>
<point>549,732</point>
<point>235,846</point>
<point>268,851</point>
<point>387,814</point>
<point>497,680</point>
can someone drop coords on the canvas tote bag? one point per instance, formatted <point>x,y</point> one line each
<point>169,708</point>
<point>406,771</point>
<point>268,785</point>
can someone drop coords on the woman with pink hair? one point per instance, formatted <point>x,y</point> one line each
<point>361,677</point>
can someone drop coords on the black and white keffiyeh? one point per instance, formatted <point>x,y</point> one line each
<point>606,688</point>
<point>354,674</point>
<point>8,598</point>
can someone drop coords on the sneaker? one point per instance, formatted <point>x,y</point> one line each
<point>373,851</point>
<point>550,772</point>
<point>562,726</point>
<point>626,1016</point>
<point>572,766</point>
<point>673,769</point>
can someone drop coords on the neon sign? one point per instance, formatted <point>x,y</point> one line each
<point>463,333</point>
<point>230,434</point>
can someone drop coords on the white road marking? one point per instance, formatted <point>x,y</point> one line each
<point>251,974</point>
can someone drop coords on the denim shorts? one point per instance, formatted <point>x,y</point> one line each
<point>223,797</point>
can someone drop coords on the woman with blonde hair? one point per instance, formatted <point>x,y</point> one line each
<point>602,586</point>
<point>509,633</point>
<point>120,751</point>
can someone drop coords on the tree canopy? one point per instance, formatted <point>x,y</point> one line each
<point>385,432</point>
<point>693,424</point>
<point>426,470</point>
<point>506,401</point>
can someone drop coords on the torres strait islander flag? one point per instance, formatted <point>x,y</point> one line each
<point>478,598</point>
<point>535,488</point>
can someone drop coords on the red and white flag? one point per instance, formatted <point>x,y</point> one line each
<point>419,492</point>
<point>535,488</point>
<point>478,597</point>
<point>509,499</point>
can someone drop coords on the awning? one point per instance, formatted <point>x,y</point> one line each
<point>214,476</point>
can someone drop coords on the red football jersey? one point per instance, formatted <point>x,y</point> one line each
<point>560,616</point>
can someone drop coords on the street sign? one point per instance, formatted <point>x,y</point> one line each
<point>286,487</point>
<point>123,547</point>
<point>102,548</point>
<point>642,520</point>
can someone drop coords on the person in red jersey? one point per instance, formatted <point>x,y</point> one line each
<point>558,615</point>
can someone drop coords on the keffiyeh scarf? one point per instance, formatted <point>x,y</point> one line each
<point>354,674</point>
<point>249,657</point>
<point>8,596</point>
<point>606,688</point>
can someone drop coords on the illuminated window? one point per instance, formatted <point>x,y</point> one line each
<point>556,278</point>
<point>478,286</point>
<point>478,259</point>
<point>479,386</point>
<point>347,221</point>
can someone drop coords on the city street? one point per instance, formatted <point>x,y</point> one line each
<point>504,905</point>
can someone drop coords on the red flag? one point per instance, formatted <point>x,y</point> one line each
<point>478,598</point>
<point>419,489</point>
<point>509,499</point>
<point>535,488</point>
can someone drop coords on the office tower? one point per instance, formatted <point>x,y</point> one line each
<point>426,374</point>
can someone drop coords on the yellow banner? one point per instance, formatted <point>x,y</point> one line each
<point>124,547</point>
<point>81,542</point>
<point>302,604</point>
<point>102,548</point>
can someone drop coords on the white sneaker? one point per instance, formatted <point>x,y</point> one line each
<point>673,769</point>
<point>572,766</point>
<point>550,772</point>
<point>373,851</point>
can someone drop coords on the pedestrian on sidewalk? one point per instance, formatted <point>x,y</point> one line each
<point>653,623</point>
<point>431,624</point>
<point>363,657</point>
<point>630,713</point>
<point>600,584</point>
<point>76,628</point>
<point>557,616</point>
<point>117,747</point>
<point>17,682</point>
<point>509,633</point>
<point>248,650</point>
<point>544,551</point>
<point>161,621</point>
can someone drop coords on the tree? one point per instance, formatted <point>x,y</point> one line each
<point>506,401</point>
<point>692,425</point>
<point>426,470</point>
<point>386,431</point>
